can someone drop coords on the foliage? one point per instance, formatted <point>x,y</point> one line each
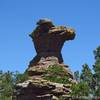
<point>80,89</point>
<point>77,76</point>
<point>19,77</point>
<point>86,75</point>
<point>88,81</point>
<point>7,83</point>
<point>96,68</point>
<point>56,73</point>
<point>83,87</point>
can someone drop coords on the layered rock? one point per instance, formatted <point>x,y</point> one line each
<point>49,78</point>
<point>39,89</point>
<point>48,41</point>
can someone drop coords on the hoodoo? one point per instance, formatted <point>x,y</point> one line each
<point>49,78</point>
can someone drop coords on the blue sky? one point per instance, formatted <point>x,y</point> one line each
<point>17,21</point>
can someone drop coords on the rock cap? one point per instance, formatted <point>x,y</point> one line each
<point>44,21</point>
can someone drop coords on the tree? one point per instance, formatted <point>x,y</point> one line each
<point>86,75</point>
<point>7,83</point>
<point>20,77</point>
<point>77,76</point>
<point>84,79</point>
<point>96,68</point>
<point>6,86</point>
<point>88,82</point>
<point>80,89</point>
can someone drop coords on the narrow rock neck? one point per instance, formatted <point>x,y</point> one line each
<point>47,56</point>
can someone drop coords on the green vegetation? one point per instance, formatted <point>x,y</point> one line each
<point>96,68</point>
<point>21,77</point>
<point>7,83</point>
<point>81,89</point>
<point>56,74</point>
<point>88,80</point>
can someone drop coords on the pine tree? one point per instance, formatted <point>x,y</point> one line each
<point>84,79</point>
<point>87,77</point>
<point>7,83</point>
<point>96,68</point>
<point>77,76</point>
<point>80,89</point>
<point>6,86</point>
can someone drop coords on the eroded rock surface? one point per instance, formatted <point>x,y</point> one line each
<point>39,89</point>
<point>46,83</point>
<point>48,40</point>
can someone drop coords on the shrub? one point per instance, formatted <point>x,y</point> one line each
<point>56,73</point>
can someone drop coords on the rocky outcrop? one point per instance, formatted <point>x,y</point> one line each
<point>48,40</point>
<point>48,77</point>
<point>39,89</point>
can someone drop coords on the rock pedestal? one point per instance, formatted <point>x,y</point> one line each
<point>45,82</point>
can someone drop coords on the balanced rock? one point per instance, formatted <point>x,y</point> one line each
<point>49,78</point>
<point>48,40</point>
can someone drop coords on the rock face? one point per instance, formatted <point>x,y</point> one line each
<point>48,41</point>
<point>38,89</point>
<point>45,82</point>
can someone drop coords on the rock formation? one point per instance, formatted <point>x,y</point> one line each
<point>49,78</point>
